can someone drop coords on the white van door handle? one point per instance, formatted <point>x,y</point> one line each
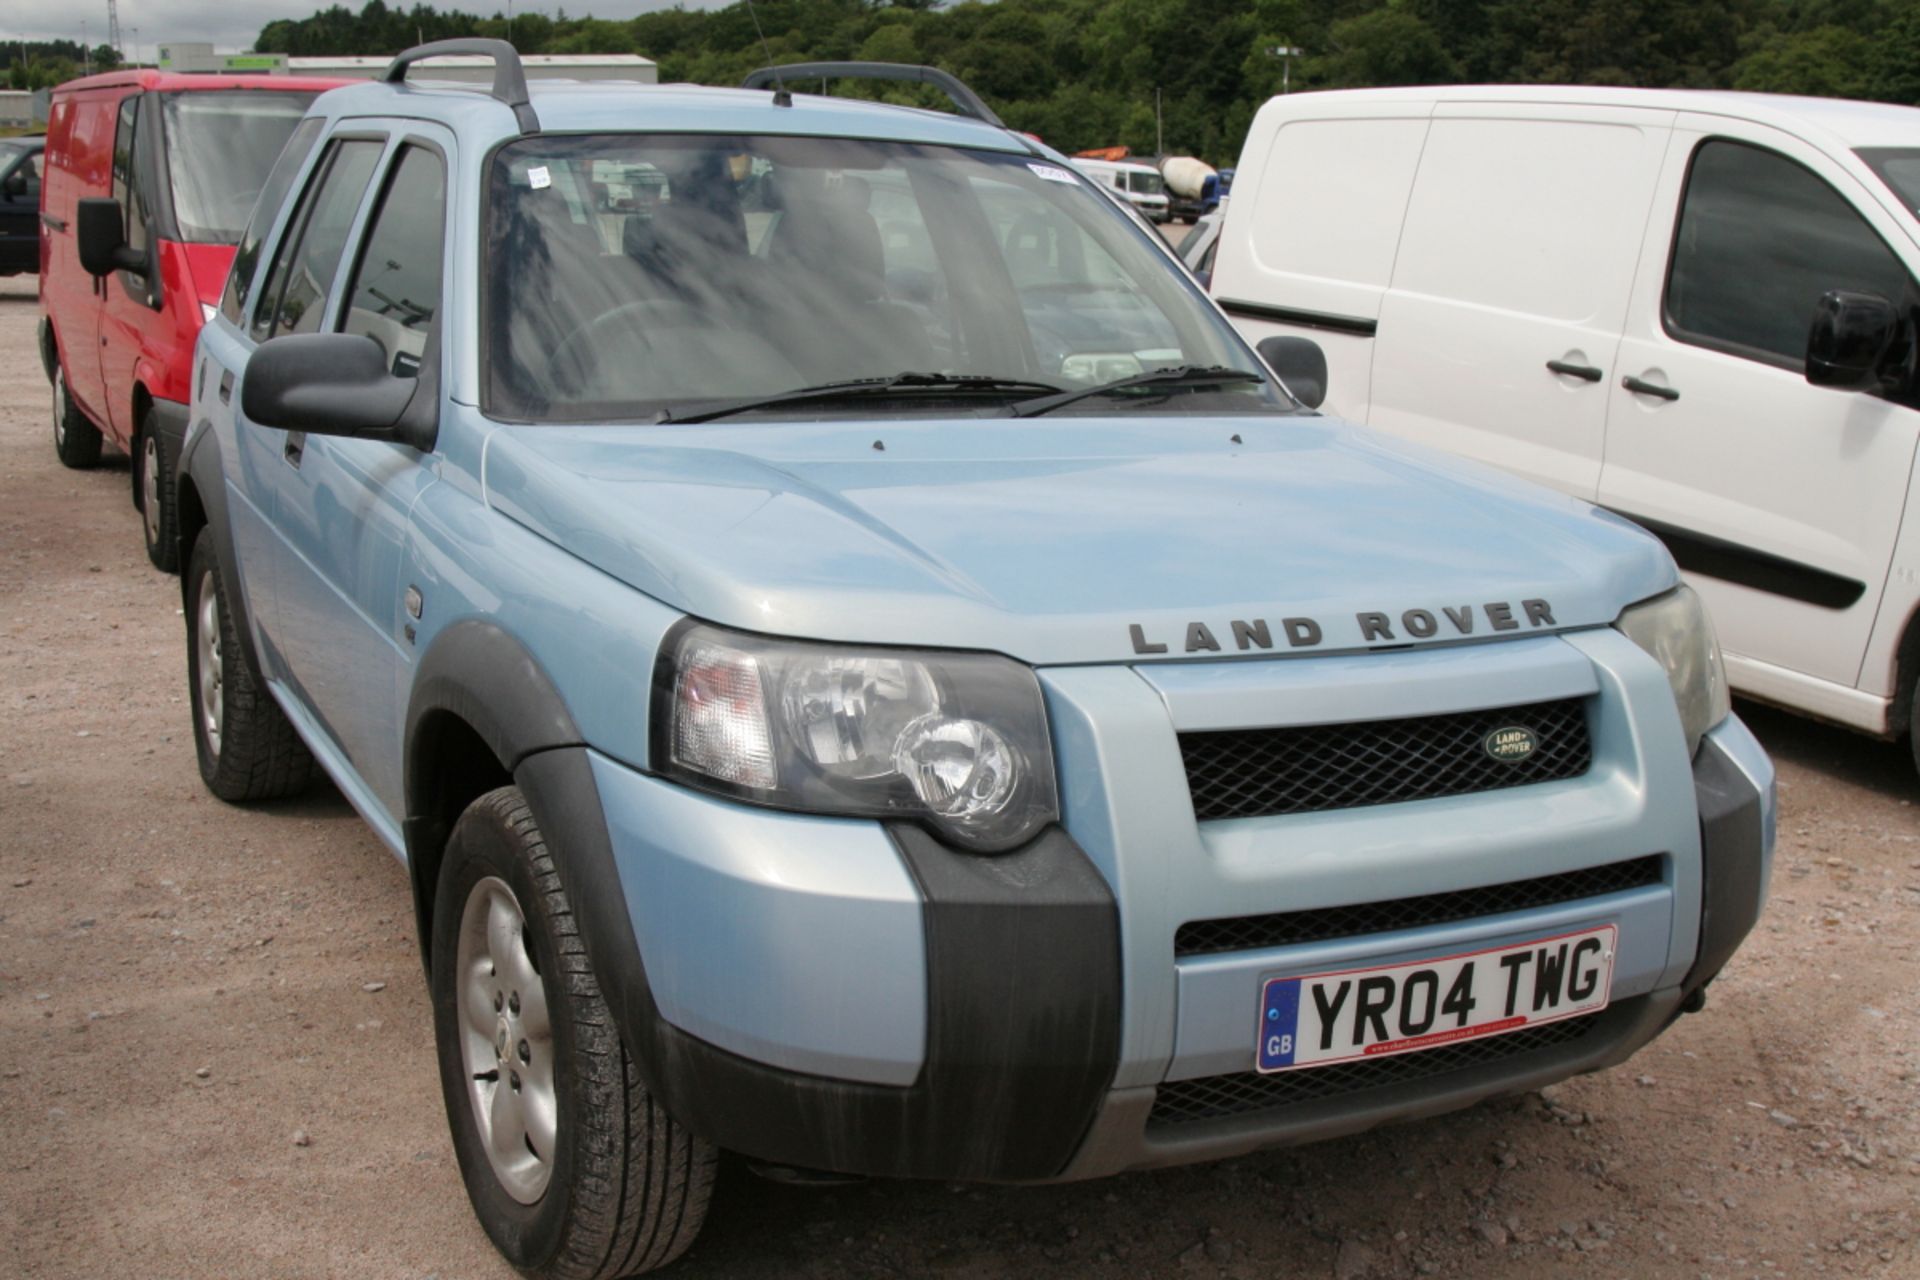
<point>1641,387</point>
<point>1584,372</point>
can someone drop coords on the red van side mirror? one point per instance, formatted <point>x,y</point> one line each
<point>101,237</point>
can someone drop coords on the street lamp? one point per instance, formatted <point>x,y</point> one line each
<point>1286,53</point>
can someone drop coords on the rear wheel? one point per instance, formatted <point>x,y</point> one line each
<point>158,519</point>
<point>247,747</point>
<point>573,1169</point>
<point>75,440</point>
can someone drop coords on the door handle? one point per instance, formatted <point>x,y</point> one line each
<point>1584,372</point>
<point>1641,387</point>
<point>295,449</point>
<point>226,386</point>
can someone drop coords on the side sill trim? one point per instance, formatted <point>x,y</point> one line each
<point>1734,562</point>
<point>1359,326</point>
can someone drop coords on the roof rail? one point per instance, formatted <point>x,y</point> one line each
<point>965,99</point>
<point>509,77</point>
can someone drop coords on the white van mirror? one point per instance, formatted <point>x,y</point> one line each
<point>1301,365</point>
<point>1848,342</point>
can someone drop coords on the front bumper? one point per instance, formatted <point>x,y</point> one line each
<point>846,996</point>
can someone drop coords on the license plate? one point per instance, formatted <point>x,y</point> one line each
<point>1370,1013</point>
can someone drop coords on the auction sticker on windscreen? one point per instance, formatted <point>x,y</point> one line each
<point>1324,1018</point>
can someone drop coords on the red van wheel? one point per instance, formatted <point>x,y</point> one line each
<point>75,440</point>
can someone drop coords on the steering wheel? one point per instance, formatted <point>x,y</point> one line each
<point>587,339</point>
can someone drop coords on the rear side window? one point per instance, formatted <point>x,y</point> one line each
<point>1760,238</point>
<point>396,285</point>
<point>233,303</point>
<point>295,296</point>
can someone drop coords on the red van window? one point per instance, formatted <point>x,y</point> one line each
<point>126,171</point>
<point>220,147</point>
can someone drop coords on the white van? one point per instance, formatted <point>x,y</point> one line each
<point>1697,310</point>
<point>1140,185</point>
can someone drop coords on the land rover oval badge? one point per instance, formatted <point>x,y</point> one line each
<point>1510,744</point>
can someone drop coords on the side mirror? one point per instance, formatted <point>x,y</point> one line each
<point>334,384</point>
<point>101,237</point>
<point>1848,342</point>
<point>1301,364</point>
<point>16,184</point>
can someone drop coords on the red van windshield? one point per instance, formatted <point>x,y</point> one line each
<point>220,146</point>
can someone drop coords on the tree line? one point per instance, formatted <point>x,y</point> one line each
<point>1086,73</point>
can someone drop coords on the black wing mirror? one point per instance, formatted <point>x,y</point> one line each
<point>16,184</point>
<point>1849,341</point>
<point>337,384</point>
<point>101,235</point>
<point>1301,364</point>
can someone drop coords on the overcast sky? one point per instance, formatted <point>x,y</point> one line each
<point>233,24</point>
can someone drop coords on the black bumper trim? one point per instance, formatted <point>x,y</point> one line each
<point>1731,862</point>
<point>1023,1011</point>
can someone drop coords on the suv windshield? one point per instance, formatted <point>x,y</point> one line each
<point>220,146</point>
<point>1899,168</point>
<point>636,275</point>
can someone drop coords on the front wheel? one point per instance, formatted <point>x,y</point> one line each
<point>574,1171</point>
<point>158,518</point>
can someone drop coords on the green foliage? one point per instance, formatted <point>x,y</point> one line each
<point>43,64</point>
<point>1084,73</point>
<point>1386,46</point>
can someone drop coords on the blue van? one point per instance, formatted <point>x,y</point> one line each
<point>868,671</point>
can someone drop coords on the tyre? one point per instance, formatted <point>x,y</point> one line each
<point>574,1171</point>
<point>247,747</point>
<point>159,519</point>
<point>75,440</point>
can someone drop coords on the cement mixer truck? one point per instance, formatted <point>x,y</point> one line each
<point>1186,180</point>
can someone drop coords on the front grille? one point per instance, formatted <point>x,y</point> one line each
<point>1216,1097</point>
<point>1285,928</point>
<point>1250,773</point>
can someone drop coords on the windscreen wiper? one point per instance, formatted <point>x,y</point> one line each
<point>1186,375</point>
<point>897,384</point>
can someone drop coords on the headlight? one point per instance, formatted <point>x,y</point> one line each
<point>958,740</point>
<point>1675,629</point>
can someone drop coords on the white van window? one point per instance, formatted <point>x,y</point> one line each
<point>1538,217</point>
<point>1761,237</point>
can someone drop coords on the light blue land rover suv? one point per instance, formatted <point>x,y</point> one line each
<point>868,671</point>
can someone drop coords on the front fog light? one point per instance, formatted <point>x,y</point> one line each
<point>960,769</point>
<point>1675,629</point>
<point>958,740</point>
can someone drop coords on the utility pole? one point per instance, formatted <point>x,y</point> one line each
<point>1286,53</point>
<point>113,27</point>
<point>1159,133</point>
<point>86,50</point>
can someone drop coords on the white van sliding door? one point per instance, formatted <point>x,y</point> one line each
<point>1497,338</point>
<point>1781,499</point>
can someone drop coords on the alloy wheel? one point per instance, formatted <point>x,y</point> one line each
<point>506,1040</point>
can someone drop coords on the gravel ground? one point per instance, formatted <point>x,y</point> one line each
<point>215,1056</point>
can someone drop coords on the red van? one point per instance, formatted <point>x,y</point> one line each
<point>149,179</point>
